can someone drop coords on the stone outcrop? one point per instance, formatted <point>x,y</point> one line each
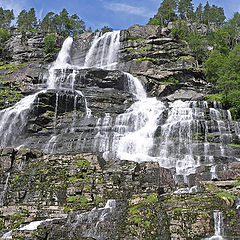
<point>87,197</point>
<point>67,188</point>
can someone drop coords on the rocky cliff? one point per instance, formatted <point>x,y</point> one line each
<point>72,191</point>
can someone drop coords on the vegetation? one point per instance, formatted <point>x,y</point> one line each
<point>216,47</point>
<point>49,43</point>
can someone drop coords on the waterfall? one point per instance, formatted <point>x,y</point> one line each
<point>4,191</point>
<point>103,52</point>
<point>14,119</point>
<point>218,227</point>
<point>93,220</point>
<point>29,227</point>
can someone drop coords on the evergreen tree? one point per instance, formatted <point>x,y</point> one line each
<point>198,16</point>
<point>106,29</point>
<point>9,16</point>
<point>27,20</point>
<point>31,19</point>
<point>21,21</point>
<point>166,12</point>
<point>185,9</point>
<point>77,25</point>
<point>64,24</point>
<point>206,14</point>
<point>216,16</point>
<point>47,24</point>
<point>6,16</point>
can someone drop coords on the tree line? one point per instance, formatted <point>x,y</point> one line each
<point>217,50</point>
<point>171,10</point>
<point>63,23</point>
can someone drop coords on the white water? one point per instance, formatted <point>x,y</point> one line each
<point>14,119</point>
<point>218,227</point>
<point>30,227</point>
<point>4,191</point>
<point>94,217</point>
<point>103,52</point>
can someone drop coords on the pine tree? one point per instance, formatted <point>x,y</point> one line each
<point>21,21</point>
<point>167,11</point>
<point>198,16</point>
<point>206,14</point>
<point>185,9</point>
<point>31,19</point>
<point>216,16</point>
<point>47,24</point>
<point>106,29</point>
<point>8,17</point>
<point>27,20</point>
<point>77,25</point>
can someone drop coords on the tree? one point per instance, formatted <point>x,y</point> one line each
<point>216,15</point>
<point>180,30</point>
<point>197,43</point>
<point>213,66</point>
<point>106,29</point>
<point>64,24</point>
<point>77,25</point>
<point>47,24</point>
<point>27,20</point>
<point>154,21</point>
<point>233,29</point>
<point>198,16</point>
<point>31,19</point>
<point>167,11</point>
<point>6,16</point>
<point>21,21</point>
<point>185,9</point>
<point>206,14</point>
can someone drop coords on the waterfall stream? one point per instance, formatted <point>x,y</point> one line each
<point>175,134</point>
<point>218,227</point>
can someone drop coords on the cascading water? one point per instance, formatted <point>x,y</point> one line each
<point>218,227</point>
<point>176,134</point>
<point>103,52</point>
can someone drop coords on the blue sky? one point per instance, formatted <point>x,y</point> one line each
<point>118,14</point>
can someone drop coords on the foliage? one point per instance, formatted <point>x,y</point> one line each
<point>49,43</point>
<point>6,17</point>
<point>106,29</point>
<point>180,30</point>
<point>4,35</point>
<point>185,9</point>
<point>154,22</point>
<point>27,20</point>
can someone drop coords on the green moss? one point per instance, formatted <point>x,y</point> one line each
<point>188,57</point>
<point>18,218</point>
<point>77,199</point>
<point>226,196</point>
<point>2,224</point>
<point>234,145</point>
<point>99,200</point>
<point>9,72</point>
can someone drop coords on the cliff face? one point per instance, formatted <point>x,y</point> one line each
<point>88,197</point>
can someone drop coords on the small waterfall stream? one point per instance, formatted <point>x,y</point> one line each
<point>218,227</point>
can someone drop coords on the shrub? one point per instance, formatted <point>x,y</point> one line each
<point>49,43</point>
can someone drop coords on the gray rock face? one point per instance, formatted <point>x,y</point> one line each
<point>27,46</point>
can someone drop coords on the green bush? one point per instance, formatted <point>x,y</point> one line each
<point>4,35</point>
<point>49,43</point>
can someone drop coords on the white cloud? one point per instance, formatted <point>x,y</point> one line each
<point>121,7</point>
<point>16,5</point>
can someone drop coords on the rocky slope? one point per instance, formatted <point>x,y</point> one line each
<point>67,188</point>
<point>89,197</point>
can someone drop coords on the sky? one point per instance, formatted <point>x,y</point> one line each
<point>118,14</point>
